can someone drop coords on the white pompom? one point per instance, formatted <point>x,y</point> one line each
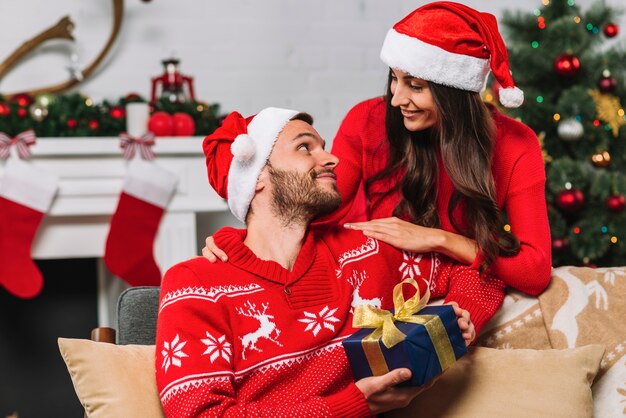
<point>511,97</point>
<point>243,148</point>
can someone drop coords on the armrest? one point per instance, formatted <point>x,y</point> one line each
<point>103,335</point>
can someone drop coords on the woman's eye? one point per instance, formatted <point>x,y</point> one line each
<point>303,147</point>
<point>417,87</point>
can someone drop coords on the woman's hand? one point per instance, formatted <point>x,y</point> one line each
<point>420,239</point>
<point>211,251</point>
<point>465,324</point>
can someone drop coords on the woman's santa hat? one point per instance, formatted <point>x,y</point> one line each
<point>237,152</point>
<point>451,44</point>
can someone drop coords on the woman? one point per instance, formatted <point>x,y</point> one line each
<point>432,153</point>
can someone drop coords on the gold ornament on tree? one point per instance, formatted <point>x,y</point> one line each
<point>544,152</point>
<point>609,110</point>
<point>38,112</point>
<point>601,159</point>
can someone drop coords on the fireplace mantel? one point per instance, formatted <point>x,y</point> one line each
<point>91,171</point>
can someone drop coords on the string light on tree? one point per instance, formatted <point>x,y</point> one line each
<point>570,129</point>
<point>38,112</point>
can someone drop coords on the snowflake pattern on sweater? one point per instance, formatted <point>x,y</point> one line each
<point>248,337</point>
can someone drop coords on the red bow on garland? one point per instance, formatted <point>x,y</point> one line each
<point>21,141</point>
<point>130,144</point>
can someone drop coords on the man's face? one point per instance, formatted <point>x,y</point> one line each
<point>302,175</point>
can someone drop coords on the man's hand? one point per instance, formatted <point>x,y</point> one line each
<point>465,324</point>
<point>212,252</point>
<point>382,394</point>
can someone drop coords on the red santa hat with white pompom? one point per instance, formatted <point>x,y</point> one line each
<point>237,152</point>
<point>454,45</point>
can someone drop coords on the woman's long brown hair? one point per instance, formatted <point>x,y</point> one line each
<point>465,136</point>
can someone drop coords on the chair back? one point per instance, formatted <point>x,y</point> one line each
<point>137,310</point>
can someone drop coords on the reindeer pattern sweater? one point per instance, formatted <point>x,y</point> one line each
<point>250,338</point>
<point>518,170</point>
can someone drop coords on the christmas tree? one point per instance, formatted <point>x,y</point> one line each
<point>572,73</point>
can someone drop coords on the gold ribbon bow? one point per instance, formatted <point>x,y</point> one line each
<point>366,316</point>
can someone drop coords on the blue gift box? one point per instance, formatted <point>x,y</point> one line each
<point>416,352</point>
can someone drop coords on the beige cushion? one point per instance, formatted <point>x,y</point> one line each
<point>113,380</point>
<point>512,383</point>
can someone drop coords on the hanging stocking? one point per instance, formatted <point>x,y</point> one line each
<point>129,247</point>
<point>25,196</point>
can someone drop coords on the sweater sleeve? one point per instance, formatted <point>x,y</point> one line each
<point>194,363</point>
<point>480,295</point>
<point>525,205</point>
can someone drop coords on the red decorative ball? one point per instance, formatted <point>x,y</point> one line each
<point>161,124</point>
<point>570,200</point>
<point>71,123</point>
<point>184,125</point>
<point>616,203</point>
<point>21,112</point>
<point>117,112</point>
<point>611,30</point>
<point>94,124</point>
<point>23,99</point>
<point>132,97</point>
<point>567,65</point>
<point>5,110</point>
<point>607,84</point>
<point>559,243</point>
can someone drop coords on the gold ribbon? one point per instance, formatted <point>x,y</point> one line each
<point>366,316</point>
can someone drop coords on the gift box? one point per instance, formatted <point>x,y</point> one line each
<point>427,343</point>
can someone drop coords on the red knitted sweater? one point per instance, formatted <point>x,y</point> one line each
<point>518,171</point>
<point>250,338</point>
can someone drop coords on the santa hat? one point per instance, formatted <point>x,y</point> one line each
<point>451,44</point>
<point>237,152</point>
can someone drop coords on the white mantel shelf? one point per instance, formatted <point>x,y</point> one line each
<point>91,172</point>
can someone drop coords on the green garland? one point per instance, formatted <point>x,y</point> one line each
<point>76,115</point>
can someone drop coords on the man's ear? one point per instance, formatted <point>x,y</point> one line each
<point>263,180</point>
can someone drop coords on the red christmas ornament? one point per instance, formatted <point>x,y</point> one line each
<point>611,30</point>
<point>133,97</point>
<point>570,200</point>
<point>23,99</point>
<point>71,123</point>
<point>616,203</point>
<point>117,112</point>
<point>21,112</point>
<point>607,84</point>
<point>184,125</point>
<point>5,110</point>
<point>559,243</point>
<point>567,65</point>
<point>161,124</point>
<point>94,124</point>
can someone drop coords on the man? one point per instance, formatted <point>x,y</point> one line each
<point>261,334</point>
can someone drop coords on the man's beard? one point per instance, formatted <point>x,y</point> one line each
<point>298,198</point>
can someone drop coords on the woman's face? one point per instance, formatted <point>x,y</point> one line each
<point>415,100</point>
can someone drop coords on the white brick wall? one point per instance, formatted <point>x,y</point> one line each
<point>316,55</point>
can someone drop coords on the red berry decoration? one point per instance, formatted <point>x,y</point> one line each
<point>23,99</point>
<point>5,110</point>
<point>21,112</point>
<point>607,84</point>
<point>117,112</point>
<point>184,125</point>
<point>567,65</point>
<point>616,203</point>
<point>161,124</point>
<point>611,30</point>
<point>570,200</point>
<point>71,123</point>
<point>94,124</point>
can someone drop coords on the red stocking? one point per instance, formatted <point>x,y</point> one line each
<point>129,248</point>
<point>25,196</point>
